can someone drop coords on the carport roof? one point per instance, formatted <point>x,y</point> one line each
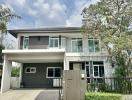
<point>35,56</point>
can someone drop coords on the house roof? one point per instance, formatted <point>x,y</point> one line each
<point>14,32</point>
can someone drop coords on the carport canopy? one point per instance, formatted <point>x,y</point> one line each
<point>27,56</point>
<point>35,56</point>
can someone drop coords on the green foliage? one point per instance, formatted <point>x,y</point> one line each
<point>121,67</point>
<point>123,85</point>
<point>6,15</point>
<point>102,96</point>
<point>15,71</point>
<point>1,48</point>
<point>109,20</point>
<point>101,87</point>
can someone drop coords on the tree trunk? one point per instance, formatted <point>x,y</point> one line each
<point>0,37</point>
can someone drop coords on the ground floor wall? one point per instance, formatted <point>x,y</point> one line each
<point>108,69</point>
<point>39,78</point>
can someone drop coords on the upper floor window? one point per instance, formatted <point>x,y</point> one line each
<point>25,42</point>
<point>76,45</point>
<point>93,45</point>
<point>54,42</point>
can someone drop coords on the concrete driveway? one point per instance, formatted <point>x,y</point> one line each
<point>30,94</point>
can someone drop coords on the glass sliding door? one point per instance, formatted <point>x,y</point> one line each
<point>93,45</point>
<point>54,42</point>
<point>25,42</point>
<point>95,70</point>
<point>76,45</point>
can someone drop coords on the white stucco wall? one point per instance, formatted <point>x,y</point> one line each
<point>6,75</point>
<point>109,70</point>
<point>15,82</point>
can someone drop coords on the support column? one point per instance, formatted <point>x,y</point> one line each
<point>85,44</point>
<point>18,41</point>
<point>66,64</point>
<point>20,75</point>
<point>6,75</point>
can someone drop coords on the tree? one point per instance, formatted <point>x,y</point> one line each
<point>6,15</point>
<point>110,20</point>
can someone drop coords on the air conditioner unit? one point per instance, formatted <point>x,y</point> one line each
<point>56,82</point>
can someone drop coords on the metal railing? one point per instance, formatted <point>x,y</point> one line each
<point>57,83</point>
<point>60,89</point>
<point>117,85</point>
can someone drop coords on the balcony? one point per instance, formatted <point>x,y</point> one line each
<point>72,46</point>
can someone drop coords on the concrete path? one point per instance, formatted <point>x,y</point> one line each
<point>48,95</point>
<point>127,97</point>
<point>30,94</point>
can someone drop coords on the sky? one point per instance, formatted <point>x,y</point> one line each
<point>46,13</point>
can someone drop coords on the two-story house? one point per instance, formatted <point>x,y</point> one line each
<point>44,53</point>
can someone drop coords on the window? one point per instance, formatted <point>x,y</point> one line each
<point>30,70</point>
<point>87,71</point>
<point>54,42</point>
<point>94,69</point>
<point>98,71</point>
<point>76,45</point>
<point>93,45</point>
<point>53,72</point>
<point>25,42</point>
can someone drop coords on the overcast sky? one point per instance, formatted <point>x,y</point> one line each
<point>46,13</point>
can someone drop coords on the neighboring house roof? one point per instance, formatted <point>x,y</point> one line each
<point>45,30</point>
<point>8,41</point>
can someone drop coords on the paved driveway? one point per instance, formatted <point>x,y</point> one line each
<point>30,94</point>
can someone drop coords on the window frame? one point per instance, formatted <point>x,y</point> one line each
<point>94,39</point>
<point>54,37</point>
<point>53,72</point>
<point>30,69</point>
<point>98,72</point>
<point>24,38</point>
<point>76,39</point>
<point>87,65</point>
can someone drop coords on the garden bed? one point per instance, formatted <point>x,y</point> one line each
<point>102,96</point>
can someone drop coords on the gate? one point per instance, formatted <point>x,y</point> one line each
<point>74,83</point>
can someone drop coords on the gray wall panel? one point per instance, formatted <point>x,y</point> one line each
<point>36,42</point>
<point>38,79</point>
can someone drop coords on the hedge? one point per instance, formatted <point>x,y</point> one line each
<point>102,96</point>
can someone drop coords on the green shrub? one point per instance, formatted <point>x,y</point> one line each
<point>15,71</point>
<point>102,96</point>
